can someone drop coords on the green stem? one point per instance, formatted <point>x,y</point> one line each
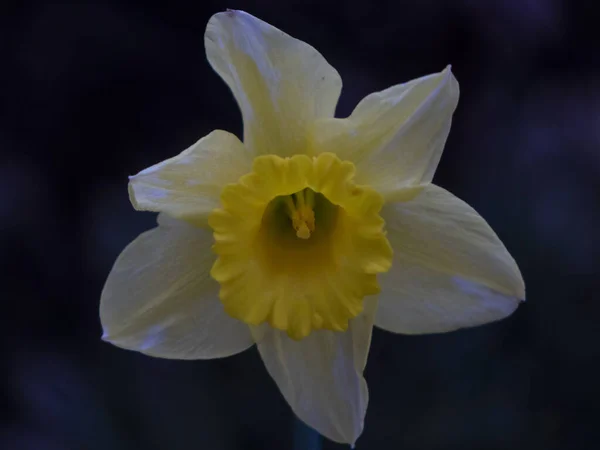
<point>305,438</point>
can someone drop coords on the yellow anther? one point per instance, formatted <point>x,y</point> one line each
<point>302,231</point>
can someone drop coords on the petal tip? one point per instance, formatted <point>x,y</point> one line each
<point>131,192</point>
<point>521,297</point>
<point>230,14</point>
<point>519,283</point>
<point>448,75</point>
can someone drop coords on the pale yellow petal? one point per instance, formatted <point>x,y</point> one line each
<point>188,185</point>
<point>450,269</point>
<point>160,300</point>
<point>394,137</point>
<point>281,84</point>
<point>321,376</point>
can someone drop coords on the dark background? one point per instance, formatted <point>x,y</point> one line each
<point>92,92</point>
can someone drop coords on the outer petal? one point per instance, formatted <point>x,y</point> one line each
<point>280,83</point>
<point>188,185</point>
<point>160,300</point>
<point>395,137</point>
<point>321,377</point>
<point>450,270</point>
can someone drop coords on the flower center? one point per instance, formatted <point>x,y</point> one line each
<point>299,245</point>
<point>295,237</point>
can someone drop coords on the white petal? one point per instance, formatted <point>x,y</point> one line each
<point>280,83</point>
<point>159,298</point>
<point>188,185</point>
<point>450,270</point>
<point>321,376</point>
<point>396,136</point>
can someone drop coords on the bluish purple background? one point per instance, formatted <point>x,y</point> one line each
<point>95,91</point>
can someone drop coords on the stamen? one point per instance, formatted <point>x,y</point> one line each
<point>301,212</point>
<point>291,207</point>
<point>299,200</point>
<point>310,198</point>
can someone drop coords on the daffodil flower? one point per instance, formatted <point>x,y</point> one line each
<point>306,234</point>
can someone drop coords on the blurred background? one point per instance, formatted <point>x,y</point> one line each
<point>95,91</point>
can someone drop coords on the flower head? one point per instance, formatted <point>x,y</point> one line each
<point>308,233</point>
